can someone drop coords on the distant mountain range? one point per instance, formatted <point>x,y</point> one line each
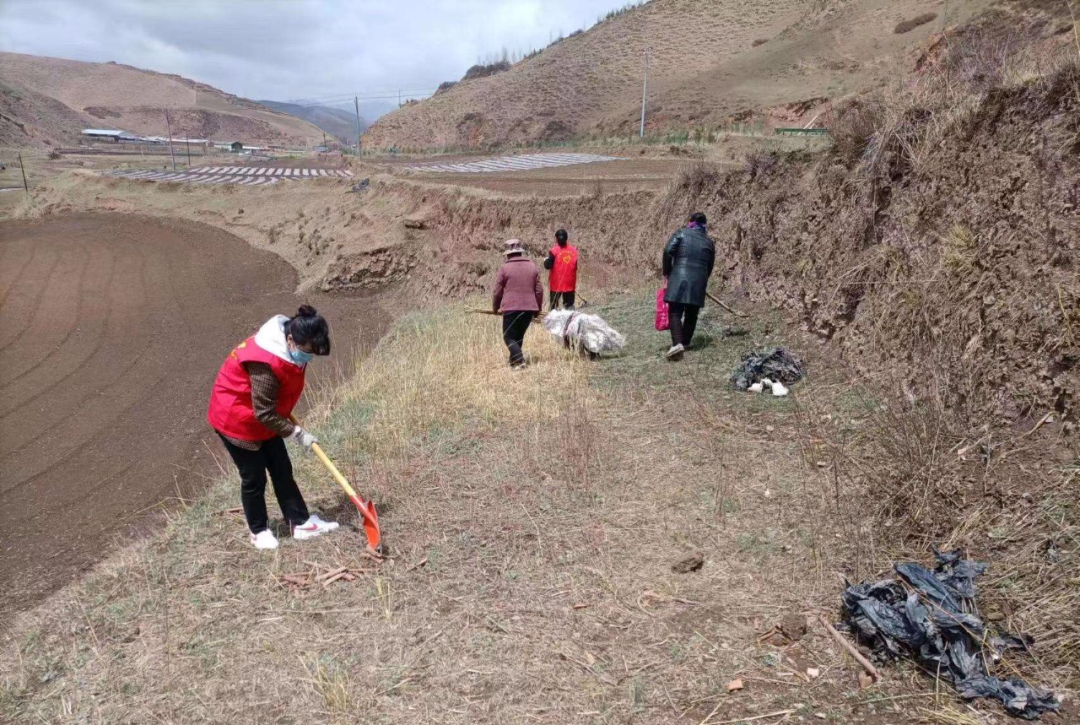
<point>49,101</point>
<point>337,122</point>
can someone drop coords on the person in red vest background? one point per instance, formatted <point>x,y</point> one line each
<point>562,263</point>
<point>254,394</point>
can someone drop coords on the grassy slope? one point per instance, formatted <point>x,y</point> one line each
<point>711,63</point>
<point>534,518</point>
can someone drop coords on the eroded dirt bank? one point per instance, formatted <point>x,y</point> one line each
<point>943,260</point>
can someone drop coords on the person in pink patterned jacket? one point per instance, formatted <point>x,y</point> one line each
<point>518,297</point>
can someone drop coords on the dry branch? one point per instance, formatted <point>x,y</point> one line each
<point>870,669</point>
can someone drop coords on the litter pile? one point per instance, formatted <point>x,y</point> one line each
<point>931,616</point>
<point>580,331</point>
<point>767,368</point>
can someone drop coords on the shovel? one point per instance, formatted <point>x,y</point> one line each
<point>366,508</point>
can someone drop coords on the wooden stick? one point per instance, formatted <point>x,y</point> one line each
<point>717,301</point>
<point>331,573</point>
<point>538,318</point>
<point>870,669</point>
<point>1038,425</point>
<point>299,580</point>
<point>778,713</point>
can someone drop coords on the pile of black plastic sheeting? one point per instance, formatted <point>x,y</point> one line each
<point>931,616</point>
<point>778,365</point>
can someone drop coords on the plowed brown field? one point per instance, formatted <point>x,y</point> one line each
<point>111,330</point>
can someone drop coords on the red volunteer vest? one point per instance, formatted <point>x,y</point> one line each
<point>564,272</point>
<point>231,412</point>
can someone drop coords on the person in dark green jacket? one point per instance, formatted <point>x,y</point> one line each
<point>688,263</point>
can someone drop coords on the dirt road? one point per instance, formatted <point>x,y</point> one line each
<point>111,330</point>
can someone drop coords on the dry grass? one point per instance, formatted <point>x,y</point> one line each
<point>932,309</point>
<point>436,369</point>
<point>534,518</point>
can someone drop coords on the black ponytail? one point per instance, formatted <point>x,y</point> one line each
<point>309,328</point>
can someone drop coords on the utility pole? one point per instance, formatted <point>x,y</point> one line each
<point>356,99</point>
<point>644,90</point>
<point>22,168</point>
<point>172,155</point>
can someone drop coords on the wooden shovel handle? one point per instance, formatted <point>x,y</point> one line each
<point>717,301</point>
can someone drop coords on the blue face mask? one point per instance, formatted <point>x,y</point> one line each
<point>300,357</point>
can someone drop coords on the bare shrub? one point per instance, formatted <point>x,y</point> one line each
<point>694,183</point>
<point>912,478</point>
<point>759,41</point>
<point>908,25</point>
<point>483,71</point>
<point>761,163</point>
<point>853,126</point>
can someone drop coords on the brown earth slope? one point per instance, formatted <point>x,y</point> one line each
<point>109,95</point>
<point>710,61</point>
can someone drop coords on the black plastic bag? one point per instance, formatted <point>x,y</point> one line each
<point>931,616</point>
<point>777,365</point>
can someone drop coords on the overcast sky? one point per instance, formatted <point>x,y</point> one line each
<point>292,49</point>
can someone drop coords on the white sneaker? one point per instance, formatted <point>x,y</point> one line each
<point>676,352</point>
<point>313,527</point>
<point>265,540</point>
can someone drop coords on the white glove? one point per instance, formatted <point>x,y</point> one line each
<point>302,437</point>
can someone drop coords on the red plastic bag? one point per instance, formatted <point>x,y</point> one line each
<point>662,321</point>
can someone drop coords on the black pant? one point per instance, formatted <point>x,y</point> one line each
<point>515,325</point>
<point>274,457</point>
<point>566,298</point>
<point>683,321</point>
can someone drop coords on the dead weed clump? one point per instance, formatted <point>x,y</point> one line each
<point>694,183</point>
<point>854,125</point>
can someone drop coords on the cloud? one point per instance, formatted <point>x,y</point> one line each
<point>289,49</point>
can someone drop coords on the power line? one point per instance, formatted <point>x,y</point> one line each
<point>345,101</point>
<point>339,97</point>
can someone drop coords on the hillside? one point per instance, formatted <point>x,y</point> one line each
<point>710,61</point>
<point>337,122</point>
<point>49,100</point>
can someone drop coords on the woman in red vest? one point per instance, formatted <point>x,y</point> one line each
<point>562,263</point>
<point>254,393</point>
